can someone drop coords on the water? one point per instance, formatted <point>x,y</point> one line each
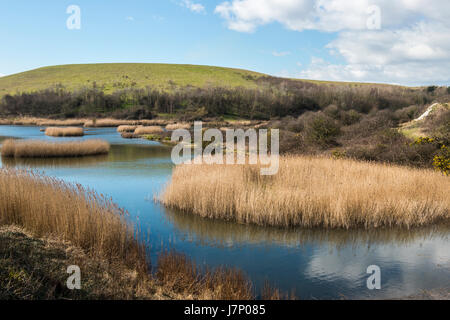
<point>317,264</point>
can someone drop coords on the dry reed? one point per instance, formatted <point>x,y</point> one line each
<point>312,192</point>
<point>126,128</point>
<point>105,123</point>
<point>49,207</point>
<point>149,130</point>
<point>183,276</point>
<point>177,126</point>
<point>129,135</point>
<point>66,122</point>
<point>43,149</point>
<point>64,132</point>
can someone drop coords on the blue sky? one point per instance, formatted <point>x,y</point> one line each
<point>295,38</point>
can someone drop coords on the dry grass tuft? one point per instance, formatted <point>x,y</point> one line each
<point>126,128</point>
<point>312,192</point>
<point>49,207</point>
<point>183,276</point>
<point>106,123</point>
<point>43,149</point>
<point>129,135</point>
<point>92,232</point>
<point>66,122</point>
<point>149,130</point>
<point>64,132</point>
<point>177,126</point>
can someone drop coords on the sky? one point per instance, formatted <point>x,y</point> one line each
<point>389,41</point>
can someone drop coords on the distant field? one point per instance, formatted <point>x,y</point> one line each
<point>116,76</point>
<point>125,75</point>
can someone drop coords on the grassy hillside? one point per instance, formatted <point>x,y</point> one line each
<point>114,76</point>
<point>126,75</point>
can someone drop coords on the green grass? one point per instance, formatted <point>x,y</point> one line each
<point>125,75</point>
<point>115,76</point>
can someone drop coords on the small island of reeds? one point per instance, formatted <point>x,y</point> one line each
<point>312,192</point>
<point>64,132</point>
<point>43,149</point>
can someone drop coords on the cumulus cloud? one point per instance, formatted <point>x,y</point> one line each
<point>194,7</point>
<point>405,41</point>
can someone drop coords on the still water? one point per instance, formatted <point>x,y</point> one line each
<point>316,264</point>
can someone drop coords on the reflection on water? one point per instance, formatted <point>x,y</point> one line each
<point>117,154</point>
<point>224,234</point>
<point>315,263</point>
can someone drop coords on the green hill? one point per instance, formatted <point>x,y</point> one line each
<point>116,76</point>
<point>125,75</point>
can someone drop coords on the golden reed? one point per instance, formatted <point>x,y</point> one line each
<point>49,207</point>
<point>44,149</point>
<point>64,132</point>
<point>149,130</point>
<point>312,192</point>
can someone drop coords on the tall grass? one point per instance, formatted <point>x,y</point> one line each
<point>48,207</point>
<point>149,130</point>
<point>43,149</point>
<point>183,276</point>
<point>105,123</point>
<point>64,132</point>
<point>126,128</point>
<point>177,126</point>
<point>312,192</point>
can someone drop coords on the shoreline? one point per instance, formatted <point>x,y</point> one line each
<point>33,268</point>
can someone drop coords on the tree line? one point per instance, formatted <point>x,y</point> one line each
<point>271,98</point>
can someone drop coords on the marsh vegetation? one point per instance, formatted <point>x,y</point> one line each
<point>42,149</point>
<point>312,192</point>
<point>64,132</point>
<point>62,223</point>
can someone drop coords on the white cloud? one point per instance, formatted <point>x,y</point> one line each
<point>194,7</point>
<point>129,18</point>
<point>281,54</point>
<point>2,75</point>
<point>411,47</point>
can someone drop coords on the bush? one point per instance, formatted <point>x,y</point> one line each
<point>441,161</point>
<point>322,130</point>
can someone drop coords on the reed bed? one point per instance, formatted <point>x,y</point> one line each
<point>66,122</point>
<point>312,192</point>
<point>177,126</point>
<point>129,135</point>
<point>149,130</point>
<point>6,122</point>
<point>126,128</point>
<point>44,149</point>
<point>64,132</point>
<point>106,123</point>
<point>48,207</point>
<point>183,276</point>
<point>71,217</point>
